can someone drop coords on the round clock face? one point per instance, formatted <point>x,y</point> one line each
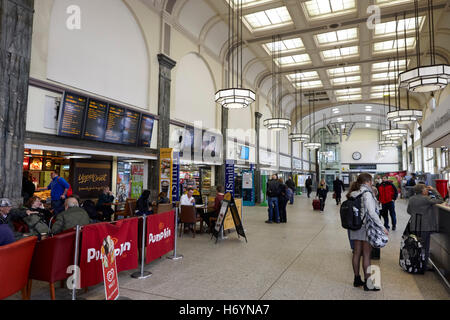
<point>357,156</point>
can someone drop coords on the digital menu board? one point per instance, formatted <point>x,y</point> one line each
<point>146,132</point>
<point>115,124</point>
<point>95,125</point>
<point>72,115</point>
<point>131,127</point>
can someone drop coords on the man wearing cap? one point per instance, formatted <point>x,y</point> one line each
<point>59,188</point>
<point>6,233</point>
<point>8,215</point>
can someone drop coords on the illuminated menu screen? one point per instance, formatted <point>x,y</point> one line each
<point>145,135</point>
<point>131,127</point>
<point>115,124</point>
<point>72,116</point>
<point>96,120</point>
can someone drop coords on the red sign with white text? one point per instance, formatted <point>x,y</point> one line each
<point>160,235</point>
<point>109,268</point>
<point>124,234</point>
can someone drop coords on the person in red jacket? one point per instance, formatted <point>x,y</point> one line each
<point>387,194</point>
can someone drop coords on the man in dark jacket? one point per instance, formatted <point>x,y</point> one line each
<point>291,185</point>
<point>387,194</point>
<point>338,187</point>
<point>308,185</point>
<point>283,199</point>
<point>105,198</point>
<point>6,235</point>
<point>73,216</point>
<point>8,215</point>
<point>420,207</point>
<point>273,191</point>
<point>28,187</point>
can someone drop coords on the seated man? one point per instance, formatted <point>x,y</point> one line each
<point>188,200</point>
<point>6,235</point>
<point>71,217</point>
<point>217,204</point>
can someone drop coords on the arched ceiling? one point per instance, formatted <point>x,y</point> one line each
<point>207,21</point>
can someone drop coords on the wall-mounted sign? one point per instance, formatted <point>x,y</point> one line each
<point>36,164</point>
<point>90,178</point>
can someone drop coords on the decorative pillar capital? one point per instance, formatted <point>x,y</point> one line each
<point>165,61</point>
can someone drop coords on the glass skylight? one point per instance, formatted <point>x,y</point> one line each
<point>318,9</point>
<point>392,87</point>
<point>340,53</point>
<point>299,59</point>
<point>385,66</point>
<point>249,3</point>
<point>384,76</point>
<point>345,80</point>
<point>303,76</point>
<point>391,45</point>
<point>391,2</point>
<point>344,71</point>
<point>287,45</point>
<point>380,95</point>
<point>350,91</point>
<point>266,19</point>
<point>337,37</point>
<point>349,98</point>
<point>309,84</point>
<point>388,28</point>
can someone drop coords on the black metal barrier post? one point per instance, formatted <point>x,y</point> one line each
<point>142,274</point>
<point>174,256</point>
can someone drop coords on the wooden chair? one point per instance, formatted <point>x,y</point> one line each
<point>128,211</point>
<point>166,207</point>
<point>189,215</point>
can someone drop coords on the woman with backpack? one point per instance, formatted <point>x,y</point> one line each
<point>363,187</point>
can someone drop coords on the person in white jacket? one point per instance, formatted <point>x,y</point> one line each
<point>362,247</point>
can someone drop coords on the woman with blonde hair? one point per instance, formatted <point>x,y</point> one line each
<point>322,192</point>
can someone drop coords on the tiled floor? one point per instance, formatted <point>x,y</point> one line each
<point>307,258</point>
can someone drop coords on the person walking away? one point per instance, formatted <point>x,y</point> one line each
<point>28,187</point>
<point>70,218</point>
<point>338,187</point>
<point>308,185</point>
<point>143,204</point>
<point>283,200</point>
<point>291,185</point>
<point>59,188</point>
<point>322,193</point>
<point>420,208</point>
<point>387,194</point>
<point>105,197</point>
<point>362,247</point>
<point>273,190</point>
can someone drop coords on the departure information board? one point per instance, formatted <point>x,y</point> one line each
<point>95,125</point>
<point>72,115</point>
<point>131,127</point>
<point>115,124</point>
<point>145,135</point>
<point>93,119</point>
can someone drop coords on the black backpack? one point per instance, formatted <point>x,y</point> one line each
<point>351,215</point>
<point>89,207</point>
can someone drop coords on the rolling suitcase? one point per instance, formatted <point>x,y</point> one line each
<point>316,204</point>
<point>412,251</point>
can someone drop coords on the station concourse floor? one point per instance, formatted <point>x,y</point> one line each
<point>309,258</point>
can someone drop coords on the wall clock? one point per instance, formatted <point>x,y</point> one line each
<point>357,156</point>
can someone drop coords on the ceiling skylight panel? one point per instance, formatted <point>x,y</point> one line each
<point>352,97</point>
<point>317,9</point>
<point>388,28</point>
<point>351,91</point>
<point>269,18</point>
<point>337,37</point>
<point>340,53</point>
<point>345,80</point>
<point>384,76</point>
<point>388,65</point>
<point>299,59</point>
<point>343,71</point>
<point>391,45</point>
<point>391,87</point>
<point>303,76</point>
<point>284,45</point>
<point>380,95</point>
<point>391,2</point>
<point>309,84</point>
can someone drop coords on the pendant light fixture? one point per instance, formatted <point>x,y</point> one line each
<point>235,96</point>
<point>312,145</point>
<point>383,142</point>
<point>277,123</point>
<point>297,136</point>
<point>429,78</point>
<point>403,116</point>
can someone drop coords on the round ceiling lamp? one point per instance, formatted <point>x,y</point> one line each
<point>277,123</point>
<point>298,136</point>
<point>429,78</point>
<point>404,116</point>
<point>394,134</point>
<point>312,145</point>
<point>387,143</point>
<point>235,96</point>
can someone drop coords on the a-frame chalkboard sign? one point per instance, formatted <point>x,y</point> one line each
<point>228,203</point>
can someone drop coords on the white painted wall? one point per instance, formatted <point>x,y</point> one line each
<point>104,57</point>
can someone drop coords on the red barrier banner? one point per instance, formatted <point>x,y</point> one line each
<point>160,235</point>
<point>124,234</point>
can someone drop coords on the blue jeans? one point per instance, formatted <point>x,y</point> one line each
<point>291,196</point>
<point>384,213</point>
<point>58,206</point>
<point>273,205</point>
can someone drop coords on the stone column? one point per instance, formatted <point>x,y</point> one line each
<point>413,166</point>
<point>258,117</point>
<point>16,29</point>
<point>165,82</point>
<point>221,170</point>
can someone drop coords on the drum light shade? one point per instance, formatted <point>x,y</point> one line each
<point>312,146</point>
<point>277,124</point>
<point>235,98</point>
<point>425,79</point>
<point>387,143</point>
<point>394,134</point>
<point>296,137</point>
<point>404,116</point>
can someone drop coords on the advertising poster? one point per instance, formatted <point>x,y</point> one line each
<point>229,177</point>
<point>166,171</point>
<point>212,147</point>
<point>137,180</point>
<point>90,178</point>
<point>229,223</point>
<point>109,268</point>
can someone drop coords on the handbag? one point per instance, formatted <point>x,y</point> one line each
<point>375,233</point>
<point>334,195</point>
